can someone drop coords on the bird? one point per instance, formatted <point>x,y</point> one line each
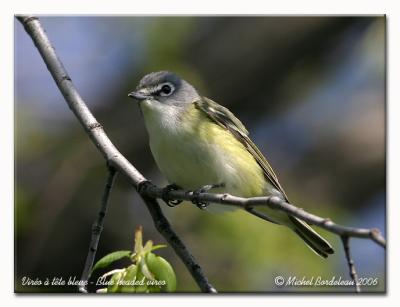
<point>199,144</point>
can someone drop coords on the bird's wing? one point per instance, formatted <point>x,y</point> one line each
<point>225,118</point>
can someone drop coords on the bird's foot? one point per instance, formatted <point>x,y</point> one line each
<point>196,194</point>
<point>165,197</point>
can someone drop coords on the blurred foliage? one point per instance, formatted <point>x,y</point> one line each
<point>146,273</point>
<point>311,91</point>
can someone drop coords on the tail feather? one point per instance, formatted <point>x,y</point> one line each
<point>318,244</point>
<point>313,240</point>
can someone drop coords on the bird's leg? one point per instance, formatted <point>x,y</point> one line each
<point>196,194</point>
<point>165,197</point>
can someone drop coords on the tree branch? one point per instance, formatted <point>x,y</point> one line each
<point>273,202</point>
<point>113,157</point>
<point>97,228</point>
<point>150,193</point>
<point>350,263</point>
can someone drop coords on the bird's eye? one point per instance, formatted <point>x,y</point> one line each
<point>166,90</point>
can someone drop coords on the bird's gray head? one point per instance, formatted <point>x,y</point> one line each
<point>166,88</point>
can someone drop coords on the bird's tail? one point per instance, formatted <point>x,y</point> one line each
<point>313,240</point>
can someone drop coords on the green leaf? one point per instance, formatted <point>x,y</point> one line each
<point>148,246</point>
<point>145,270</point>
<point>113,286</point>
<point>158,246</point>
<point>129,280</point>
<point>141,286</point>
<point>110,258</point>
<point>162,271</point>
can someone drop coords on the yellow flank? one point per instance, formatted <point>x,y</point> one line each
<point>243,176</point>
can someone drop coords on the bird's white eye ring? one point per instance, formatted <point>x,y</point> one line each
<point>166,89</point>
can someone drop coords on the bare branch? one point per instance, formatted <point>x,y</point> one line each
<point>105,146</point>
<point>97,228</point>
<point>164,227</point>
<point>273,202</point>
<point>350,263</point>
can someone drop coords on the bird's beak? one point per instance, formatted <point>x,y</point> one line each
<point>138,95</point>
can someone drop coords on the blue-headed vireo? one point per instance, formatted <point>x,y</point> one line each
<point>196,142</point>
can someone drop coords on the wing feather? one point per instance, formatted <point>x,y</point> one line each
<point>225,118</point>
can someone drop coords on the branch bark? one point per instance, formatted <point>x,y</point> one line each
<point>97,228</point>
<point>350,263</point>
<point>150,193</point>
<point>273,202</point>
<point>113,157</point>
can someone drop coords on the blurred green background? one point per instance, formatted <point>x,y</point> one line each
<point>311,91</point>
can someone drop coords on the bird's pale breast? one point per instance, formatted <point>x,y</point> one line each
<point>192,151</point>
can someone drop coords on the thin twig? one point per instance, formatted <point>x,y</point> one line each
<point>104,144</point>
<point>272,202</point>
<point>164,227</point>
<point>97,228</point>
<point>350,263</point>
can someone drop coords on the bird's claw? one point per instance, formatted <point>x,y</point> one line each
<point>200,204</point>
<point>196,194</point>
<point>165,197</point>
